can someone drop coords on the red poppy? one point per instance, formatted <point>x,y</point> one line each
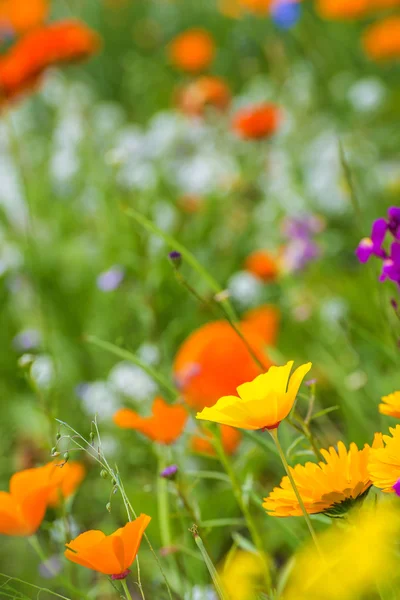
<point>257,122</point>
<point>60,42</point>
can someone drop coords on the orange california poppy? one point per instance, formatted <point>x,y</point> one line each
<point>206,91</point>
<point>22,66</point>
<point>381,41</point>
<point>265,320</point>
<point>20,16</point>
<point>64,479</point>
<point>230,438</point>
<point>259,404</point>
<point>192,51</point>
<point>214,361</point>
<point>257,122</point>
<point>22,509</point>
<point>164,426</point>
<point>109,554</point>
<point>342,9</point>
<point>262,264</point>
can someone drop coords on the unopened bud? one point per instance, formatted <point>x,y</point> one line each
<point>26,361</point>
<point>66,456</point>
<point>54,452</point>
<point>108,506</point>
<point>58,436</point>
<point>175,258</point>
<point>103,474</point>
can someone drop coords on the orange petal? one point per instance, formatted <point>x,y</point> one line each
<point>131,536</point>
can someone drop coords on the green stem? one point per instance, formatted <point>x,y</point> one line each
<point>125,354</point>
<point>35,587</point>
<point>225,314</point>
<point>209,564</point>
<point>126,589</point>
<point>164,516</point>
<point>237,491</point>
<point>34,542</point>
<point>187,255</point>
<point>274,435</point>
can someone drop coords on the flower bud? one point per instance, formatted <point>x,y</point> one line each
<point>103,474</point>
<point>175,258</point>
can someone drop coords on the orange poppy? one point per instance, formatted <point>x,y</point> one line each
<point>263,265</point>
<point>257,122</point>
<point>64,480</point>
<point>109,554</point>
<point>22,509</point>
<point>192,51</point>
<point>22,15</point>
<point>381,41</point>
<point>230,438</point>
<point>342,9</point>
<point>265,320</point>
<point>164,426</point>
<point>64,41</point>
<point>214,361</point>
<point>204,92</point>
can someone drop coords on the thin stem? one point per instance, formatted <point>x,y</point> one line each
<point>209,564</point>
<point>35,587</point>
<point>221,308</point>
<point>34,542</point>
<point>126,589</point>
<point>274,435</point>
<point>187,255</point>
<point>125,354</point>
<point>237,491</point>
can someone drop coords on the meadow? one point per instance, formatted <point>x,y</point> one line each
<point>199,299</point>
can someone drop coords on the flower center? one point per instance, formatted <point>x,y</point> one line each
<point>122,575</point>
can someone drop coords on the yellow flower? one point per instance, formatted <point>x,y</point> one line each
<point>353,560</point>
<point>391,405</point>
<point>384,462</point>
<point>242,574</point>
<point>263,403</point>
<point>331,486</point>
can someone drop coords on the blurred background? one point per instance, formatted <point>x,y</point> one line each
<point>132,128</point>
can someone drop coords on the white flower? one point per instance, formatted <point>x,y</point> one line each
<point>131,381</point>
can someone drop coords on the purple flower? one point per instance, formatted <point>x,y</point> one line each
<point>108,281</point>
<point>301,248</point>
<point>51,567</point>
<point>285,13</point>
<point>394,221</point>
<point>391,265</point>
<point>27,339</point>
<point>169,472</point>
<point>373,245</point>
<point>396,487</point>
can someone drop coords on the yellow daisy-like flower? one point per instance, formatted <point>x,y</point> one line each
<point>384,462</point>
<point>391,405</point>
<point>330,486</point>
<point>353,560</point>
<point>263,403</point>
